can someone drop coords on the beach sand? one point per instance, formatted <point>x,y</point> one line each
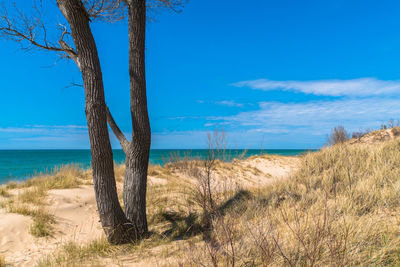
<point>77,220</point>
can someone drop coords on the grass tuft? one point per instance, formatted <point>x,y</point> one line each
<point>2,261</point>
<point>73,254</point>
<point>4,192</point>
<point>42,222</point>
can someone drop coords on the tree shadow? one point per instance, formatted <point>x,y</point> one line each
<point>237,203</point>
<point>183,226</point>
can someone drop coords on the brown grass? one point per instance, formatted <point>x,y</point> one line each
<point>2,261</point>
<point>72,254</point>
<point>342,207</point>
<point>4,192</point>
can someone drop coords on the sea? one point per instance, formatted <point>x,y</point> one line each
<point>19,165</point>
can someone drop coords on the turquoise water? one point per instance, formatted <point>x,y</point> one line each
<point>17,165</point>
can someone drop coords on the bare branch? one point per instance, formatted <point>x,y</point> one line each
<point>117,131</point>
<point>174,5</point>
<point>116,10</point>
<point>22,28</point>
<point>72,84</point>
<point>105,10</point>
<point>67,49</point>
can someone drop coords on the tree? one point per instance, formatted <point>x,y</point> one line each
<point>23,28</point>
<point>118,227</point>
<point>138,149</point>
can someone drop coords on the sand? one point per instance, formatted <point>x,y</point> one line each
<point>77,219</point>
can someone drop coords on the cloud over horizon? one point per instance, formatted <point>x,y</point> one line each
<point>314,118</point>
<point>361,87</point>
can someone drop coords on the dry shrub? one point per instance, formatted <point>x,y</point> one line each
<point>396,131</point>
<point>338,135</point>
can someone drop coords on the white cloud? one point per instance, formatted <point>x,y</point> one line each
<point>229,103</point>
<point>357,87</point>
<point>44,129</point>
<point>316,118</point>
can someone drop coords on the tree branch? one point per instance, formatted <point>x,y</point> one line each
<point>67,49</point>
<point>117,131</point>
<point>28,28</point>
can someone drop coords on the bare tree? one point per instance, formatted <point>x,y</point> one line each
<point>30,32</point>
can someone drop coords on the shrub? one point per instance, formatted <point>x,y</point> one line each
<point>360,133</point>
<point>338,135</point>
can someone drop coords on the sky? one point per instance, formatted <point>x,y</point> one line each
<point>271,74</point>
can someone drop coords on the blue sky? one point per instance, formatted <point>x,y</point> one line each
<point>276,74</point>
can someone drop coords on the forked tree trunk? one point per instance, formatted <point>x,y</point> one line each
<point>117,227</point>
<point>137,152</point>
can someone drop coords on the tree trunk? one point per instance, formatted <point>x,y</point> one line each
<point>117,227</point>
<point>137,154</point>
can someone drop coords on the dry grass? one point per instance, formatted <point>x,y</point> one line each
<point>42,220</point>
<point>2,261</point>
<point>67,176</point>
<point>72,254</point>
<point>4,192</point>
<point>342,207</point>
<point>42,223</point>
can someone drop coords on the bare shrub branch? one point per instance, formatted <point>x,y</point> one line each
<point>338,135</point>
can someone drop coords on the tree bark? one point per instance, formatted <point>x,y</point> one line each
<point>117,227</point>
<point>137,154</point>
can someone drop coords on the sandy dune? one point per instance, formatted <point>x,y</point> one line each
<point>77,219</point>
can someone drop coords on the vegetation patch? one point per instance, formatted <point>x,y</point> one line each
<point>2,261</point>
<point>72,254</point>
<point>341,208</point>
<point>4,192</point>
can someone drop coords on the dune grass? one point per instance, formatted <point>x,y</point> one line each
<point>63,177</point>
<point>72,254</point>
<point>42,220</point>
<point>4,192</point>
<point>2,261</point>
<point>342,207</point>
